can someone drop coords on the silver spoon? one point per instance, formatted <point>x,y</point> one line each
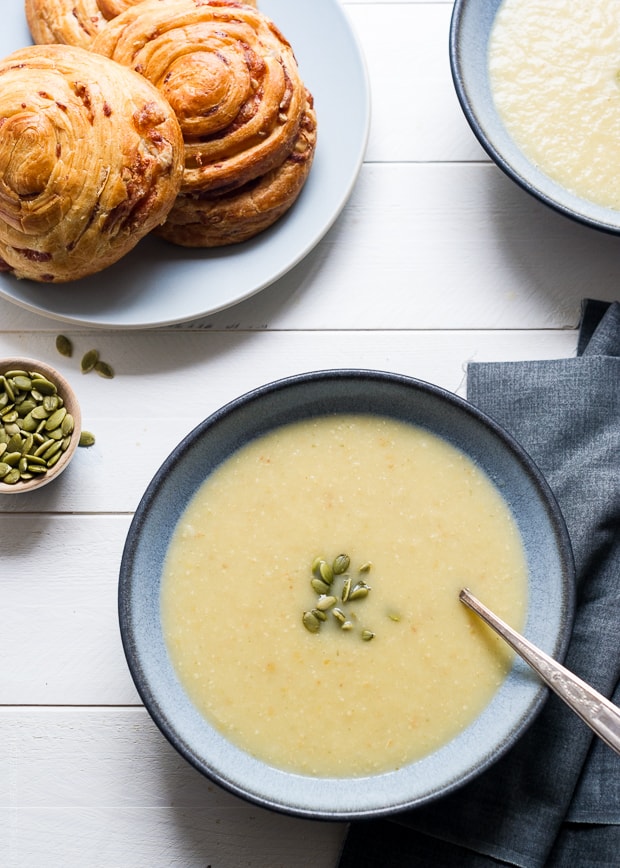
<point>601,715</point>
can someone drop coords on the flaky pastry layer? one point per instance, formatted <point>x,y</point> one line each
<point>91,160</point>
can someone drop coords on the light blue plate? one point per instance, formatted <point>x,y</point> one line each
<point>549,616</point>
<point>159,283</point>
<point>472,21</point>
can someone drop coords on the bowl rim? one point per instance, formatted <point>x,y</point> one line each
<point>311,803</point>
<point>70,401</point>
<point>521,170</point>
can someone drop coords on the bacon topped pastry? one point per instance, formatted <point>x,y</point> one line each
<point>233,81</point>
<point>91,160</point>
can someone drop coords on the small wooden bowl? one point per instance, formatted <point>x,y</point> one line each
<point>70,402</point>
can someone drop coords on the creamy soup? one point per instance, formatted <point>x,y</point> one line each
<point>387,675</point>
<point>554,67</point>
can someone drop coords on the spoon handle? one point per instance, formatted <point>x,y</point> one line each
<point>601,715</point>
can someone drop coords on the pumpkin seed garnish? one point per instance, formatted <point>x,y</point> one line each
<point>336,590</point>
<point>319,586</point>
<point>341,564</point>
<point>311,622</point>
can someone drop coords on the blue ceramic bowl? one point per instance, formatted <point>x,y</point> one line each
<point>549,616</point>
<point>472,21</point>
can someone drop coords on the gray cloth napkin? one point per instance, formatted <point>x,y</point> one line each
<point>554,798</point>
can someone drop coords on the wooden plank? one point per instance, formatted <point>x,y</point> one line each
<point>104,788</point>
<point>168,382</point>
<point>419,246</point>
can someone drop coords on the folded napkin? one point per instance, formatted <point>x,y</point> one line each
<point>554,798</point>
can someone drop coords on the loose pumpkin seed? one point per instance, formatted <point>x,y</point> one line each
<point>86,439</point>
<point>64,346</point>
<point>367,635</point>
<point>104,370</point>
<point>89,360</point>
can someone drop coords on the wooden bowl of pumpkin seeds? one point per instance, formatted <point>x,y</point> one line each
<point>40,424</point>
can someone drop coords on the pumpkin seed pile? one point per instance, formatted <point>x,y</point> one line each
<point>336,590</point>
<point>35,428</point>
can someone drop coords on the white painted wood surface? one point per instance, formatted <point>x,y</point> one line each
<point>436,260</point>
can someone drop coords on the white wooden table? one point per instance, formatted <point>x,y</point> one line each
<point>436,260</point>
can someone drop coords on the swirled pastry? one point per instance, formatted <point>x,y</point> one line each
<point>218,218</point>
<point>73,22</point>
<point>230,76</point>
<point>90,162</point>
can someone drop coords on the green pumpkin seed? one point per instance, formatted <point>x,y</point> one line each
<point>341,564</point>
<point>4,469</point>
<point>359,591</point>
<point>55,420</point>
<point>89,360</point>
<point>319,586</point>
<point>14,443</point>
<point>311,622</point>
<point>320,615</point>
<point>12,476</point>
<point>325,602</point>
<point>22,382</point>
<point>51,403</point>
<point>86,439</point>
<point>104,370</point>
<point>339,615</point>
<point>43,386</point>
<point>64,346</point>
<point>68,424</point>
<point>367,635</point>
<point>346,589</point>
<point>327,573</point>
<point>7,388</point>
<point>54,459</point>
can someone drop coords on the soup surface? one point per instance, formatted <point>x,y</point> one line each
<point>411,666</point>
<point>554,67</point>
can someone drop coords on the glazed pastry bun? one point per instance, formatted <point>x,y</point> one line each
<point>213,219</point>
<point>70,22</point>
<point>247,118</point>
<point>91,160</point>
<point>73,22</point>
